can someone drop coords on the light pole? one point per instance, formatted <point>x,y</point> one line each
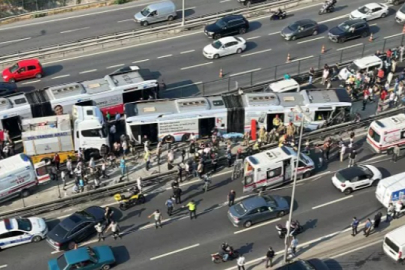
<point>294,182</point>
<point>183,12</point>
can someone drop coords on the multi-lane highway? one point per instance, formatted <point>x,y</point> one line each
<point>179,60</point>
<point>187,244</point>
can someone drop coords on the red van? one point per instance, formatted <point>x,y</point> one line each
<point>24,69</point>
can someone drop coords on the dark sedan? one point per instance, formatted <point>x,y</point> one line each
<point>312,264</point>
<point>300,29</point>
<point>7,89</point>
<point>75,228</point>
<point>349,30</point>
<point>227,26</point>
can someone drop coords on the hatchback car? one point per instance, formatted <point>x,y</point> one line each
<point>227,26</point>
<point>224,46</point>
<point>349,30</point>
<point>300,29</point>
<point>86,258</point>
<point>18,231</point>
<point>24,69</point>
<point>370,12</point>
<point>7,88</point>
<point>311,264</point>
<point>75,228</point>
<point>354,178</point>
<point>256,209</point>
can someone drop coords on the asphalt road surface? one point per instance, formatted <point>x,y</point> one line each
<point>187,244</point>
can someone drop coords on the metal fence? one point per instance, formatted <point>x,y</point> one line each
<point>294,67</point>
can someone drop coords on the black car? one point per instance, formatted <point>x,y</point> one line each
<point>248,2</point>
<point>7,89</point>
<point>349,30</point>
<point>313,264</point>
<point>299,29</point>
<point>227,26</point>
<point>75,228</point>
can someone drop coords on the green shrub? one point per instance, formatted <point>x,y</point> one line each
<point>119,2</point>
<point>39,15</point>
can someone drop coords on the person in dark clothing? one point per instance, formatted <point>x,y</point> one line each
<point>355,225</point>
<point>183,155</point>
<point>180,172</point>
<point>177,195</point>
<point>377,220</point>
<point>229,157</point>
<point>269,257</point>
<point>231,197</point>
<point>108,215</point>
<point>214,162</point>
<point>175,185</point>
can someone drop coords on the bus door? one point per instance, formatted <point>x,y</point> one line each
<point>287,168</point>
<point>150,130</point>
<point>13,125</point>
<point>270,118</point>
<point>205,125</point>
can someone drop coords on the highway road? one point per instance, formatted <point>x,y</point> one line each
<point>178,61</point>
<point>187,244</point>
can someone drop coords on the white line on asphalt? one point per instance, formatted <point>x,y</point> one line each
<point>3,266</point>
<point>88,71</point>
<point>244,72</point>
<point>181,86</point>
<point>302,58</point>
<point>252,38</point>
<point>275,33</point>
<point>348,47</point>
<point>185,9</point>
<point>89,242</point>
<point>55,251</point>
<point>374,24</point>
<point>140,61</point>
<point>187,51</point>
<point>334,19</point>
<point>376,157</point>
<point>31,82</point>
<point>173,252</point>
<point>199,65</point>
<point>74,30</point>
<point>15,40</point>
<point>377,161</point>
<point>356,249</point>
<point>257,226</point>
<point>165,56</point>
<point>335,201</point>
<point>309,40</point>
<point>61,76</point>
<point>223,1</point>
<point>108,204</point>
<point>127,20</point>
<point>248,54</point>
<point>63,216</point>
<point>115,66</point>
<point>393,35</point>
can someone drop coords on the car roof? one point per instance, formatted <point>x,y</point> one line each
<point>254,202</point>
<point>372,5</point>
<point>355,21</point>
<point>29,61</point>
<point>352,172</point>
<point>305,21</point>
<point>77,255</point>
<point>72,221</point>
<point>227,39</point>
<point>8,224</point>
<point>232,17</point>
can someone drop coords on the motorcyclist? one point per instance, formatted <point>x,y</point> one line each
<point>294,227</point>
<point>279,12</point>
<point>330,3</point>
<point>134,191</point>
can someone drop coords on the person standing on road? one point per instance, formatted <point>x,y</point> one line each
<point>342,152</point>
<point>103,170</point>
<point>367,227</point>
<point>390,212</point>
<point>231,197</point>
<point>177,195</point>
<point>170,206</point>
<point>398,209</point>
<point>352,158</point>
<point>100,231</point>
<point>294,244</point>
<point>214,162</point>
<point>311,75</point>
<point>377,220</point>
<point>200,169</point>
<point>355,225</point>
<point>180,172</point>
<point>123,166</point>
<point>175,184</point>
<point>115,228</point>
<point>56,160</point>
<point>192,209</point>
<point>229,158</point>
<point>395,153</point>
<point>158,218</point>
<point>108,213</point>
<point>241,262</point>
<point>269,257</point>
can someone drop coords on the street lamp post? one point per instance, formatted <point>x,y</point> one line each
<point>183,13</point>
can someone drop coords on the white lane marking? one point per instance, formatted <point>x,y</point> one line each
<point>335,18</point>
<point>244,72</point>
<point>173,252</point>
<point>302,58</point>
<point>356,249</point>
<point>31,82</point>
<point>249,54</point>
<point>140,61</point>
<point>253,38</point>
<point>275,33</point>
<point>55,251</point>
<point>74,30</point>
<point>223,1</point>
<point>127,20</point>
<point>199,65</point>
<point>108,204</point>
<point>61,76</point>
<point>186,85</point>
<point>393,35</point>
<point>335,201</point>
<point>187,51</point>
<point>3,266</point>
<point>63,216</point>
<point>89,242</point>
<point>374,24</point>
<point>309,40</point>
<point>115,66</point>
<point>15,40</point>
<point>355,45</point>
<point>370,159</point>
<point>257,226</point>
<point>165,56</point>
<point>88,71</point>
<point>186,9</point>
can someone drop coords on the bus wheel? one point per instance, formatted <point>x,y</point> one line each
<point>185,137</point>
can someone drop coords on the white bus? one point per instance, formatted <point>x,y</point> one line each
<point>231,114</point>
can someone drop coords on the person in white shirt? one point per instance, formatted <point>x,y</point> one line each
<point>241,262</point>
<point>139,183</point>
<point>294,244</point>
<point>125,147</point>
<point>158,218</point>
<point>342,152</point>
<point>398,208</point>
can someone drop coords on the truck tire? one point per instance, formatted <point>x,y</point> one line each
<point>25,193</point>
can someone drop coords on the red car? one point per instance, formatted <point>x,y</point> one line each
<point>24,69</point>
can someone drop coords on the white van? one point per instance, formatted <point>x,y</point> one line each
<point>391,189</point>
<point>365,64</point>
<point>156,12</point>
<point>284,86</point>
<point>385,133</point>
<point>17,177</point>
<point>400,16</point>
<point>394,244</point>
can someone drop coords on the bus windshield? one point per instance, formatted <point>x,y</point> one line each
<point>374,135</point>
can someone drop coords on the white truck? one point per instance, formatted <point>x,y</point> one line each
<point>44,136</point>
<point>391,189</point>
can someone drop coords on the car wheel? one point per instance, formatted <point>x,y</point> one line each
<point>341,40</point>
<point>25,193</point>
<point>142,199</point>
<point>170,18</point>
<point>375,182</point>
<point>217,36</point>
<point>11,80</point>
<point>247,224</point>
<point>239,50</point>
<point>242,31</point>
<point>36,238</point>
<point>383,15</point>
<point>315,33</point>
<point>348,191</point>
<point>396,2</point>
<point>365,34</point>
<point>38,76</point>
<point>216,56</point>
<point>71,245</point>
<point>281,214</point>
<point>106,267</point>
<point>307,174</point>
<point>293,38</point>
<point>144,23</point>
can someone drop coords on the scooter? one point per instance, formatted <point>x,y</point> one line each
<point>223,257</point>
<point>295,229</point>
<point>126,201</point>
<point>326,9</point>
<point>278,16</point>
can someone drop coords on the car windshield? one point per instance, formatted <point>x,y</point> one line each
<point>145,12</point>
<point>85,215</point>
<point>240,209</point>
<point>340,177</point>
<point>304,159</point>
<point>364,10</point>
<point>344,27</point>
<point>293,27</point>
<point>353,68</point>
<point>402,9</point>
<point>217,44</point>
<point>24,224</point>
<point>220,23</point>
<point>366,170</point>
<point>14,68</point>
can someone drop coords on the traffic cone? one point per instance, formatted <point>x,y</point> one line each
<point>220,73</point>
<point>403,30</point>
<point>323,49</point>
<point>371,37</point>
<point>288,58</point>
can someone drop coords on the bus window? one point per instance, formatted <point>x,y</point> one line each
<point>322,115</point>
<point>374,135</point>
<point>274,173</point>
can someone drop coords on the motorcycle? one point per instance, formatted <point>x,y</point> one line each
<point>326,9</point>
<point>295,229</point>
<point>224,256</point>
<point>127,200</point>
<point>278,16</point>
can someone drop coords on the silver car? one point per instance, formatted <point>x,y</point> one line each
<point>256,209</point>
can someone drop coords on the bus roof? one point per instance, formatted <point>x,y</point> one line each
<point>273,155</point>
<point>396,121</point>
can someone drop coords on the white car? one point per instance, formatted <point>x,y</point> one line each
<point>17,231</point>
<point>353,178</point>
<point>224,46</point>
<point>370,12</point>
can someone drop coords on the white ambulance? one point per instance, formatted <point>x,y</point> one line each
<point>385,133</point>
<point>274,167</point>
